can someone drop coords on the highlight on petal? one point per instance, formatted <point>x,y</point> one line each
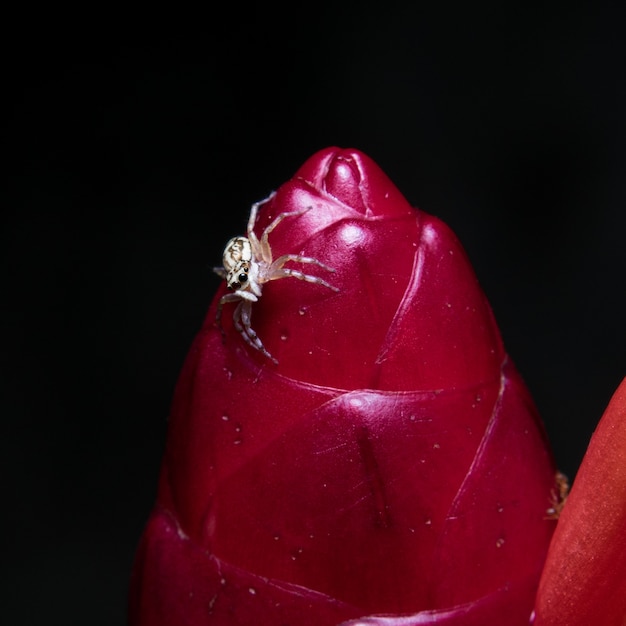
<point>584,579</point>
<point>391,463</point>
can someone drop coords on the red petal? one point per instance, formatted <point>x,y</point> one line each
<point>584,580</point>
<point>392,462</point>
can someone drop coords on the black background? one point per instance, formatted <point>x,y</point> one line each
<point>131,157</point>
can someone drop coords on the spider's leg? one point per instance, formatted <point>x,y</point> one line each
<point>254,212</point>
<point>255,209</point>
<point>280,261</point>
<point>285,272</point>
<point>237,321</point>
<point>242,323</point>
<point>229,297</point>
<point>277,270</point>
<point>264,249</point>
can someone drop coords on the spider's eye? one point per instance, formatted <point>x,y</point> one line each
<point>242,277</point>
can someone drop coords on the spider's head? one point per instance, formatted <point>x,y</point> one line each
<point>238,278</point>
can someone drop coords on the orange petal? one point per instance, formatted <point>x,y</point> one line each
<point>584,578</point>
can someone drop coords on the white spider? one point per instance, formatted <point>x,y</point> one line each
<point>248,265</point>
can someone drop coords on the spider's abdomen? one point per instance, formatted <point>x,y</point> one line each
<point>238,249</point>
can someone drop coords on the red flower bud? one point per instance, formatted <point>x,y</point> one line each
<point>391,461</point>
<point>584,580</point>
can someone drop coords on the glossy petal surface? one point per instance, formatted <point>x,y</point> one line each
<point>408,296</point>
<point>392,462</point>
<point>584,581</point>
